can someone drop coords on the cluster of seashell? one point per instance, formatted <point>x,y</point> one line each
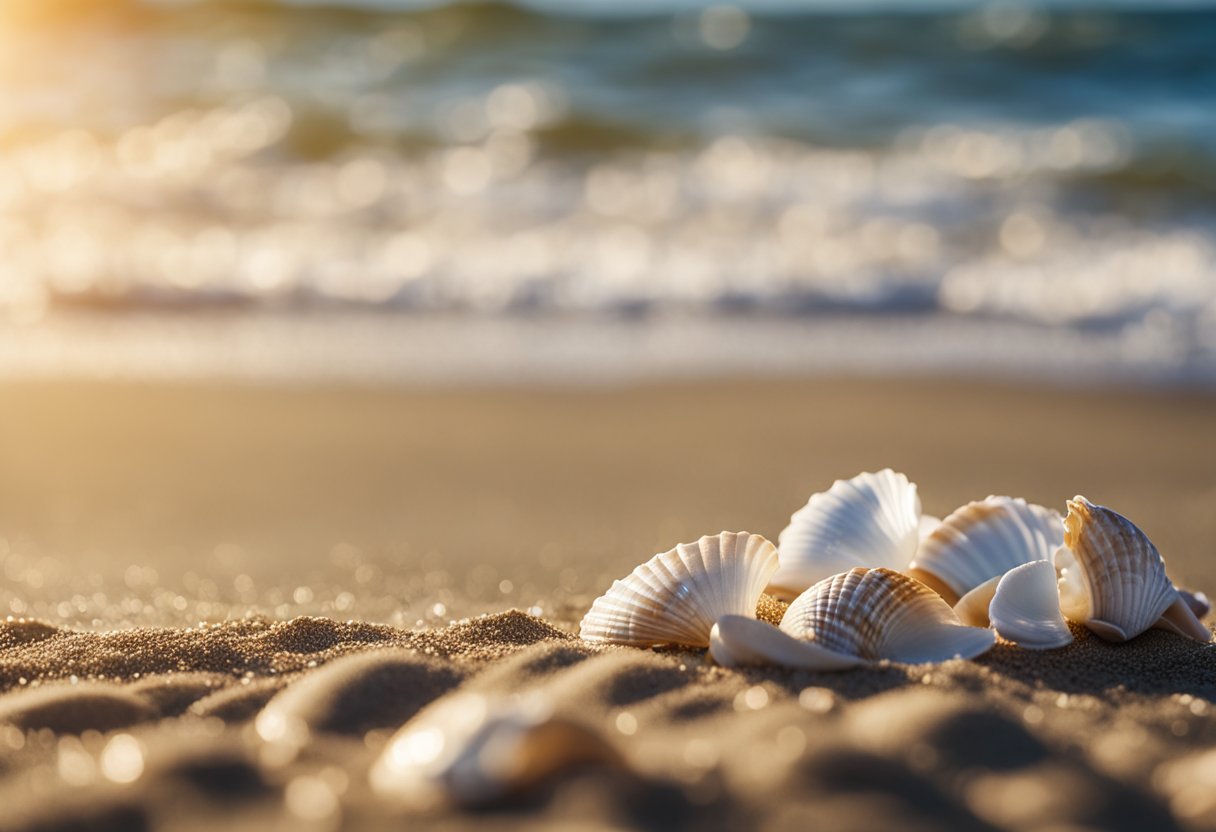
<point>871,579</point>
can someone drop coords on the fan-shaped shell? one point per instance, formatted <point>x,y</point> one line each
<point>676,596</point>
<point>1112,578</point>
<point>983,540</point>
<point>471,750</point>
<point>1026,607</point>
<point>871,520</point>
<point>877,614</point>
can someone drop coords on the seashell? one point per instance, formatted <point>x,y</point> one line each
<point>972,608</point>
<point>471,750</point>
<point>877,614</point>
<point>927,525</point>
<point>1112,578</point>
<point>983,540</point>
<point>1196,601</point>
<point>675,597</point>
<point>1025,608</point>
<point>738,641</point>
<point>871,520</point>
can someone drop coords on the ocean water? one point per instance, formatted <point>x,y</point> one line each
<point>428,189</point>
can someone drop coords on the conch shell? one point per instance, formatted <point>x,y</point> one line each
<point>675,597</point>
<point>870,520</point>
<point>1112,578</point>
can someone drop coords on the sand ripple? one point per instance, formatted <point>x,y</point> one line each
<point>263,724</point>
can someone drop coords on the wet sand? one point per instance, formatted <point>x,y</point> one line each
<point>158,507</point>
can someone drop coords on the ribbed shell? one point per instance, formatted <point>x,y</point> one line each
<point>984,539</point>
<point>675,597</point>
<point>870,520</point>
<point>1113,578</point>
<point>1026,608</point>
<point>881,614</point>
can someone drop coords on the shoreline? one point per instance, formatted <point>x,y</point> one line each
<point>585,350</point>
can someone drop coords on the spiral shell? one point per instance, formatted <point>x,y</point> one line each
<point>877,614</point>
<point>870,520</point>
<point>1112,578</point>
<point>676,596</point>
<point>982,540</point>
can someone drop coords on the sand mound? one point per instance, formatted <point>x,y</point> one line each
<point>1091,736</point>
<point>355,694</point>
<point>71,709</point>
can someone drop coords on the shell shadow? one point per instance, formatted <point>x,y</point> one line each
<point>1153,663</point>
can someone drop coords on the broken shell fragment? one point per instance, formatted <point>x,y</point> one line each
<point>675,597</point>
<point>1112,578</point>
<point>983,540</point>
<point>878,614</point>
<point>471,750</point>
<point>738,641</point>
<point>1025,608</point>
<point>870,520</point>
<point>972,608</point>
<point>1197,602</point>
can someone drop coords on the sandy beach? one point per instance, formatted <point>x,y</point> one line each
<point>188,558</point>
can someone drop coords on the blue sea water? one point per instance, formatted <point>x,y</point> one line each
<point>1049,169</point>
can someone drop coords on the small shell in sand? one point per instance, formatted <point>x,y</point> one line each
<point>471,750</point>
<point>870,520</point>
<point>983,540</point>
<point>676,596</point>
<point>881,614</point>
<point>858,616</point>
<point>738,641</point>
<point>1112,578</point>
<point>1026,608</point>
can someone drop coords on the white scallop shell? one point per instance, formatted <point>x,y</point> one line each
<point>870,520</point>
<point>1026,607</point>
<point>877,614</point>
<point>675,597</point>
<point>1112,578</point>
<point>985,539</point>
<point>738,641</point>
<point>471,750</point>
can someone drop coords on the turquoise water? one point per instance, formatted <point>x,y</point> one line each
<point>1050,168</point>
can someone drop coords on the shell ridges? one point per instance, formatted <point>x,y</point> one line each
<point>879,614</point>
<point>676,596</point>
<point>985,539</point>
<point>1112,578</point>
<point>870,520</point>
